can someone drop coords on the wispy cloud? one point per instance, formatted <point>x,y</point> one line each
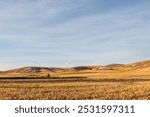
<point>67,33</point>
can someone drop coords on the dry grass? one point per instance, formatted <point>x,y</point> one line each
<point>120,84</point>
<point>76,90</point>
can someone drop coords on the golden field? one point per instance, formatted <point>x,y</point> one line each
<point>105,90</point>
<point>111,82</point>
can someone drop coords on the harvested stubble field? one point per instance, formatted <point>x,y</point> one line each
<point>110,82</point>
<point>74,89</point>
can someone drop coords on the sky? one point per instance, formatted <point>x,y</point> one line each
<point>66,33</point>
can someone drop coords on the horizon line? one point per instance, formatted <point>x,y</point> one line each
<point>71,66</point>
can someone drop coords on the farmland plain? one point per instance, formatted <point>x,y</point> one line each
<point>112,82</point>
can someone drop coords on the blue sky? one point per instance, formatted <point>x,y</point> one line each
<point>65,33</point>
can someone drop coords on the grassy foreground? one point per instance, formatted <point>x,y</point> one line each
<point>74,89</point>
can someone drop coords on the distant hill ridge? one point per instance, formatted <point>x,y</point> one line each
<point>33,70</point>
<point>136,65</point>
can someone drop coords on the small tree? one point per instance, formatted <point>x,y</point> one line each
<point>48,75</point>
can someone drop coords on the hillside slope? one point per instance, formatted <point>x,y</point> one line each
<point>108,71</point>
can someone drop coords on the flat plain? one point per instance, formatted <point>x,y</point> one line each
<point>112,82</point>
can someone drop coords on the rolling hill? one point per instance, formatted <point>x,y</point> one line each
<point>109,71</point>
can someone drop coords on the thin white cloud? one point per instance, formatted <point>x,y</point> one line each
<point>58,31</point>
